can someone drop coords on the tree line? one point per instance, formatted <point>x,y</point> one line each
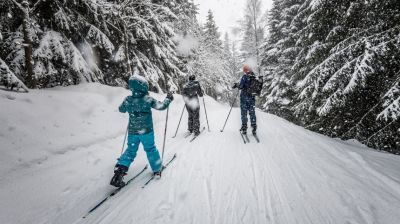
<point>333,66</point>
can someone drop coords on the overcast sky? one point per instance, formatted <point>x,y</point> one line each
<point>226,12</point>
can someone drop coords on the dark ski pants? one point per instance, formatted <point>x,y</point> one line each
<point>149,147</point>
<point>248,105</point>
<point>194,118</point>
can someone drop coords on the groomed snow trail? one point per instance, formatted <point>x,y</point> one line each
<point>292,176</point>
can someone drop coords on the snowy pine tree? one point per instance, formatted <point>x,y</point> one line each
<point>334,68</point>
<point>279,53</point>
<point>210,64</point>
<point>104,39</point>
<point>253,29</point>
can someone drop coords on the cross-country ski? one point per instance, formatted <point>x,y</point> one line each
<point>197,135</point>
<point>163,168</point>
<point>114,192</point>
<point>256,137</point>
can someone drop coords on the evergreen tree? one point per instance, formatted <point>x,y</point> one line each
<point>79,41</point>
<point>334,68</point>
<point>253,29</point>
<point>211,34</point>
<point>279,53</point>
<point>210,64</point>
<point>231,57</point>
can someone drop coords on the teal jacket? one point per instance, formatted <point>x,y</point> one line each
<point>139,106</point>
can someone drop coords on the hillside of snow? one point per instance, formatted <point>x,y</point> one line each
<point>58,148</point>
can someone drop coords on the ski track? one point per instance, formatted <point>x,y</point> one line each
<point>293,176</point>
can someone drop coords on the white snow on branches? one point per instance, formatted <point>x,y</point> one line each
<point>98,38</point>
<point>8,78</point>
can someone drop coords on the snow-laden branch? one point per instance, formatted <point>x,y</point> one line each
<point>8,78</point>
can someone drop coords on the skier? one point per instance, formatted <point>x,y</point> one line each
<point>140,129</point>
<point>190,93</point>
<point>247,99</point>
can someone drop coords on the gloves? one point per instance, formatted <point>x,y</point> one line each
<point>235,86</point>
<point>170,96</point>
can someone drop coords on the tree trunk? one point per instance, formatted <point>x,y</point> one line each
<point>30,79</point>
<point>127,60</point>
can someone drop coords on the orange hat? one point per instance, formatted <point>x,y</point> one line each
<point>246,69</point>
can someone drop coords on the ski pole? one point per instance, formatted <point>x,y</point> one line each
<point>183,110</point>
<point>123,144</point>
<point>234,100</point>
<point>205,110</point>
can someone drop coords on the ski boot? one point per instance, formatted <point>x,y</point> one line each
<point>254,131</point>
<point>196,133</point>
<point>243,129</point>
<point>118,179</point>
<point>157,174</point>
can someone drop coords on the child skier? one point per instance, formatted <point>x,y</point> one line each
<point>140,129</point>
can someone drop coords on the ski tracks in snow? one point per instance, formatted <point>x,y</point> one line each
<point>293,176</point>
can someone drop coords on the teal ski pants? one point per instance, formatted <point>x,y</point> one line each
<point>149,147</point>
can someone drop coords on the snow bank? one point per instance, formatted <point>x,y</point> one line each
<point>54,121</point>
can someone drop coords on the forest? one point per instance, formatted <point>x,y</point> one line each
<point>331,66</point>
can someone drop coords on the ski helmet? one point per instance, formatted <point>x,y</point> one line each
<point>192,77</point>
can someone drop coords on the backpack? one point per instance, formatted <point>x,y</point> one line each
<point>255,85</point>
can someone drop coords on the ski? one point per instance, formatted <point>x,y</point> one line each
<point>187,135</point>
<point>194,137</point>
<point>164,167</point>
<point>247,138</point>
<point>256,137</point>
<point>114,192</point>
<point>244,139</point>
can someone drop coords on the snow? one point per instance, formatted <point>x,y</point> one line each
<point>391,104</point>
<point>315,4</point>
<point>120,54</point>
<point>192,103</point>
<point>8,77</point>
<point>87,53</point>
<point>361,71</point>
<point>51,47</point>
<point>96,36</point>
<point>59,147</point>
<point>62,19</point>
<point>186,44</point>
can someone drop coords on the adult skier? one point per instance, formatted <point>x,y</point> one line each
<point>191,91</point>
<point>247,99</point>
<point>140,128</point>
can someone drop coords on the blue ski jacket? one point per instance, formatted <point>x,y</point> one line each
<point>244,86</point>
<point>139,106</point>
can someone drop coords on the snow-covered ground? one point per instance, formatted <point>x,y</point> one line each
<point>58,148</point>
